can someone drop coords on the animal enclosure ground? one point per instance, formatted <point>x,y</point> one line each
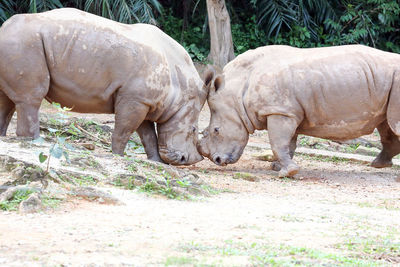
<point>335,212</point>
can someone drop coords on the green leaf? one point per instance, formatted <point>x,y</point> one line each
<point>70,147</point>
<point>42,157</point>
<point>56,151</point>
<point>61,140</point>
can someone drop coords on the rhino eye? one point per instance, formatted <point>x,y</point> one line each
<point>193,129</point>
<point>216,130</point>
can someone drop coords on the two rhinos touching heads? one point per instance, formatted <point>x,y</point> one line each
<point>148,80</point>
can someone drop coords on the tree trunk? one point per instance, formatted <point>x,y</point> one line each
<point>186,6</point>
<point>219,22</point>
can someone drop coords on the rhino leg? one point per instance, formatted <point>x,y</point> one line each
<point>148,136</point>
<point>281,130</point>
<point>391,146</point>
<point>7,109</point>
<point>27,84</point>
<point>129,115</point>
<point>276,166</point>
<point>28,120</point>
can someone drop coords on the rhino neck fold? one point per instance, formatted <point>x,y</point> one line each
<point>170,106</point>
<point>241,110</point>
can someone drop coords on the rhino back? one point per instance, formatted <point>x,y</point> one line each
<point>337,93</point>
<point>90,58</point>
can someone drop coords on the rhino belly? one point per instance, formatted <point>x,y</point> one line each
<point>341,129</point>
<point>80,99</point>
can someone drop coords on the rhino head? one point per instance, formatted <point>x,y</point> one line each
<point>226,136</point>
<point>178,136</point>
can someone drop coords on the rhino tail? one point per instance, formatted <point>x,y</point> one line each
<point>393,109</point>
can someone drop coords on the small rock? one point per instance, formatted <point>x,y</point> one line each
<point>31,205</point>
<point>37,185</point>
<point>266,156</point>
<point>91,193</point>
<point>35,175</point>
<point>8,194</point>
<point>18,172</point>
<point>88,146</point>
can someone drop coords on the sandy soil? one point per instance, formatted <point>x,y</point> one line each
<point>332,213</point>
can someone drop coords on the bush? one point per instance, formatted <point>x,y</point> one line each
<point>247,35</point>
<point>193,38</point>
<point>373,22</point>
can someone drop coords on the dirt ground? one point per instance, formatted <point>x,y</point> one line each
<point>335,212</point>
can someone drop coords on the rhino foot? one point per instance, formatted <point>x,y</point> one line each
<point>290,171</point>
<point>378,163</point>
<point>276,166</point>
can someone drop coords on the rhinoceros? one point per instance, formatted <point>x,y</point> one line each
<point>96,65</point>
<point>336,93</point>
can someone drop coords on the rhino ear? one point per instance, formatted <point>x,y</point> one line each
<point>218,82</point>
<point>209,76</point>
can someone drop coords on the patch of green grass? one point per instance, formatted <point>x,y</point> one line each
<point>153,188</point>
<point>93,162</point>
<point>291,218</point>
<point>351,148</point>
<point>184,183</point>
<point>213,191</point>
<point>87,161</point>
<point>312,142</point>
<point>169,192</point>
<point>148,187</point>
<point>321,158</point>
<point>373,247</point>
<point>132,168</point>
<point>239,175</point>
<point>286,179</point>
<point>142,162</point>
<point>155,169</point>
<point>366,204</point>
<point>194,246</point>
<point>265,254</point>
<point>245,176</point>
<point>126,183</point>
<point>388,204</point>
<point>85,180</point>
<point>13,203</point>
<point>179,261</point>
<point>50,202</point>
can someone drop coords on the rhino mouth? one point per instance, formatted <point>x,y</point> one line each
<point>176,157</point>
<point>223,159</point>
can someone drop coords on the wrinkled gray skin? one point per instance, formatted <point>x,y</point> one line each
<point>96,65</point>
<point>336,93</point>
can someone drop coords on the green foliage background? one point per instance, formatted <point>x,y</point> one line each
<point>254,23</point>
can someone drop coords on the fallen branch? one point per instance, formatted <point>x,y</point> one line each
<point>92,136</point>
